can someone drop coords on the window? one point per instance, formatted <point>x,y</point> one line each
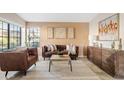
<point>15,36</point>
<point>10,36</point>
<point>3,36</point>
<point>33,37</point>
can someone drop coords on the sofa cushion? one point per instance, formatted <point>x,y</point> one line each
<point>48,53</point>
<point>61,47</point>
<point>54,52</point>
<point>64,52</point>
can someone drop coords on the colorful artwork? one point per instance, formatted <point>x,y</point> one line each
<point>109,28</point>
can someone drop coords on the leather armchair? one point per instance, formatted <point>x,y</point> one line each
<point>18,60</point>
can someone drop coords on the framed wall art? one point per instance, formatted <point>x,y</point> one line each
<point>59,33</point>
<point>109,28</point>
<point>50,33</point>
<point>71,33</point>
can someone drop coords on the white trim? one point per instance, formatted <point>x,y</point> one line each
<point>11,22</point>
<point>81,56</point>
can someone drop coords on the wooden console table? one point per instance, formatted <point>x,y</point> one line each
<point>111,61</point>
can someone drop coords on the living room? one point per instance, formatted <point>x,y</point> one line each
<point>44,36</point>
<point>78,28</point>
<point>61,46</point>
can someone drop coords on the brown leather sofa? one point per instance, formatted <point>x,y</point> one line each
<point>18,60</point>
<point>61,49</point>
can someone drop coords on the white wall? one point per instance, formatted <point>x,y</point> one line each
<point>23,36</point>
<point>13,17</point>
<point>122,28</point>
<point>93,29</point>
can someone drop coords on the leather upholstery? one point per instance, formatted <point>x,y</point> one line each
<point>19,60</point>
<point>61,49</point>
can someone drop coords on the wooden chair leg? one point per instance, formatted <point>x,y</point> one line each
<point>6,73</point>
<point>25,73</point>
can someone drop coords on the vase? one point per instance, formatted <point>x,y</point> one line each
<point>120,44</point>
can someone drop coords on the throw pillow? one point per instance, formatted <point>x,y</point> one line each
<point>48,47</point>
<point>73,50</point>
<point>55,48</point>
<point>52,48</point>
<point>67,47</point>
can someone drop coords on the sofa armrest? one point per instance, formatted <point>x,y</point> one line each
<point>77,51</point>
<point>33,52</point>
<point>44,50</point>
<point>14,61</point>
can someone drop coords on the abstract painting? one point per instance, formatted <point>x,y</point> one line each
<point>109,28</point>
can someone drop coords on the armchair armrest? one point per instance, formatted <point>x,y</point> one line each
<point>13,61</point>
<point>33,51</point>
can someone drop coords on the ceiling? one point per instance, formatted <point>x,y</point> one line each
<point>57,17</point>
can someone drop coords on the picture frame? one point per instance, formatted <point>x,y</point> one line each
<point>71,33</point>
<point>109,28</point>
<point>50,32</point>
<point>60,33</point>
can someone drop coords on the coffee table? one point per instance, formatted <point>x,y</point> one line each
<point>60,58</point>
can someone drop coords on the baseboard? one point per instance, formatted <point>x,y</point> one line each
<point>81,56</point>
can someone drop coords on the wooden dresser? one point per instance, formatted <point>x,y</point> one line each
<point>111,61</point>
